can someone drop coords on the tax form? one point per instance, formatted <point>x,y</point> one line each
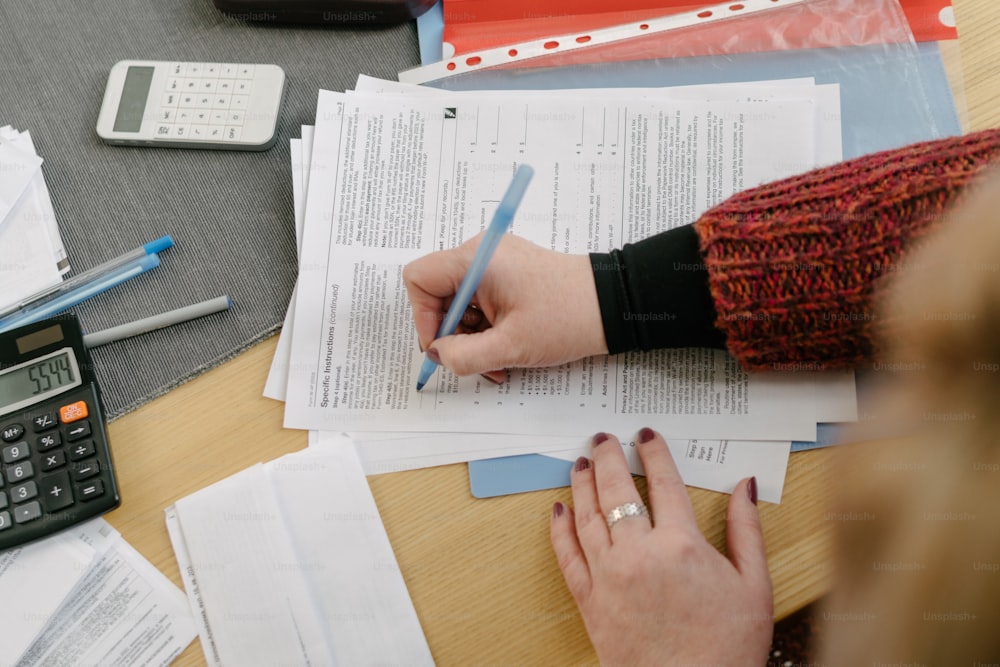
<point>392,179</point>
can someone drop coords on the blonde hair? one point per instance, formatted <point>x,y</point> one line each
<point>918,558</point>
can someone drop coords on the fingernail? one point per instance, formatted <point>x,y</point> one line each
<point>433,355</point>
<point>487,377</point>
<point>752,490</point>
<point>421,346</point>
<point>646,434</point>
<point>599,438</point>
<point>557,510</point>
<point>582,464</point>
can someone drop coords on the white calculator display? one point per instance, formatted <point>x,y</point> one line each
<point>230,106</point>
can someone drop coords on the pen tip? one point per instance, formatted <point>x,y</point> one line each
<point>420,385</point>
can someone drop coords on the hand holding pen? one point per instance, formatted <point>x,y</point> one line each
<point>533,307</point>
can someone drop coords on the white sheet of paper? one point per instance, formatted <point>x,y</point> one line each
<point>124,611</point>
<point>35,579</point>
<point>279,560</point>
<point>19,168</point>
<point>352,261</point>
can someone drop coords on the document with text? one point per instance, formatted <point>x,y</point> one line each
<point>393,178</point>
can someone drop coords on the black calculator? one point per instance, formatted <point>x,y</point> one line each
<point>55,464</point>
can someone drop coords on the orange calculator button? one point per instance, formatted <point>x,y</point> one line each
<point>73,412</point>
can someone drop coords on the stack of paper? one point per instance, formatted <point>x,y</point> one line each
<point>392,172</point>
<point>288,563</point>
<point>32,256</point>
<point>86,597</point>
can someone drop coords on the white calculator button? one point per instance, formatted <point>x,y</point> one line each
<point>221,101</point>
<point>227,70</point>
<point>193,69</point>
<point>199,132</point>
<point>211,69</point>
<point>180,131</point>
<point>189,85</point>
<point>201,116</point>
<point>166,115</point>
<point>184,116</point>
<point>225,86</point>
<point>232,133</point>
<point>244,71</point>
<point>242,87</point>
<point>170,100</point>
<point>162,130</point>
<point>235,118</point>
<point>219,117</point>
<point>203,101</point>
<point>176,69</point>
<point>240,102</point>
<point>216,132</point>
<point>174,84</point>
<point>207,85</point>
<point>187,101</point>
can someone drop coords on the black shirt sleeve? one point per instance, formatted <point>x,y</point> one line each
<point>654,294</point>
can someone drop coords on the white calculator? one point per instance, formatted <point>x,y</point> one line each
<point>228,106</point>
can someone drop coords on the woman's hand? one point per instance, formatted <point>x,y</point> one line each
<point>657,593</point>
<point>534,307</point>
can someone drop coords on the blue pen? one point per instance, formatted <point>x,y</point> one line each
<point>491,239</point>
<point>88,276</point>
<point>82,292</point>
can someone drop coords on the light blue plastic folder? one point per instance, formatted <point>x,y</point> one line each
<point>889,98</point>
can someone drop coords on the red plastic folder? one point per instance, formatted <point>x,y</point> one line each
<point>474,25</point>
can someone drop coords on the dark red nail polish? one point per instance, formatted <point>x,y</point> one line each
<point>433,355</point>
<point>599,438</point>
<point>487,377</point>
<point>582,464</point>
<point>646,434</point>
<point>752,490</point>
<point>557,510</point>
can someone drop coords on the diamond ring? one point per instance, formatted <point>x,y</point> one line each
<point>628,510</point>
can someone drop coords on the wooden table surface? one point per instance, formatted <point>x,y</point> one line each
<point>481,573</point>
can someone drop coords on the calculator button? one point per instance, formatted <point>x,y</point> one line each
<point>187,101</point>
<point>44,421</point>
<point>84,470</point>
<point>55,491</point>
<point>27,512</point>
<point>173,85</point>
<point>163,130</point>
<point>216,132</point>
<point>192,69</point>
<point>15,452</point>
<point>232,133</point>
<point>221,101</point>
<point>170,100</point>
<point>219,117</point>
<point>12,433</point>
<point>23,492</point>
<point>235,118</point>
<point>179,131</point>
<point>20,472</point>
<point>189,85</point>
<point>227,70</point>
<point>199,132</point>
<point>3,500</point>
<point>5,522</point>
<point>240,102</point>
<point>206,86</point>
<point>49,440</point>
<point>211,69</point>
<point>203,101</point>
<point>73,412</point>
<point>77,431</point>
<point>184,116</point>
<point>91,490</point>
<point>242,88</point>
<point>53,460</point>
<point>225,86</point>
<point>177,69</point>
<point>244,71</point>
<point>81,450</point>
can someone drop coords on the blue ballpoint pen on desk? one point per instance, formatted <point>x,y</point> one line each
<point>90,283</point>
<point>88,276</point>
<point>491,239</point>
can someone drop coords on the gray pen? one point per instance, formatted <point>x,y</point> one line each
<point>160,321</point>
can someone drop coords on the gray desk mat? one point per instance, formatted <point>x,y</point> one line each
<point>229,212</point>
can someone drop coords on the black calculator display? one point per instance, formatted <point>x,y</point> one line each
<point>55,464</point>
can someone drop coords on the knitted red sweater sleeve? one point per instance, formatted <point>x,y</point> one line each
<point>793,265</point>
